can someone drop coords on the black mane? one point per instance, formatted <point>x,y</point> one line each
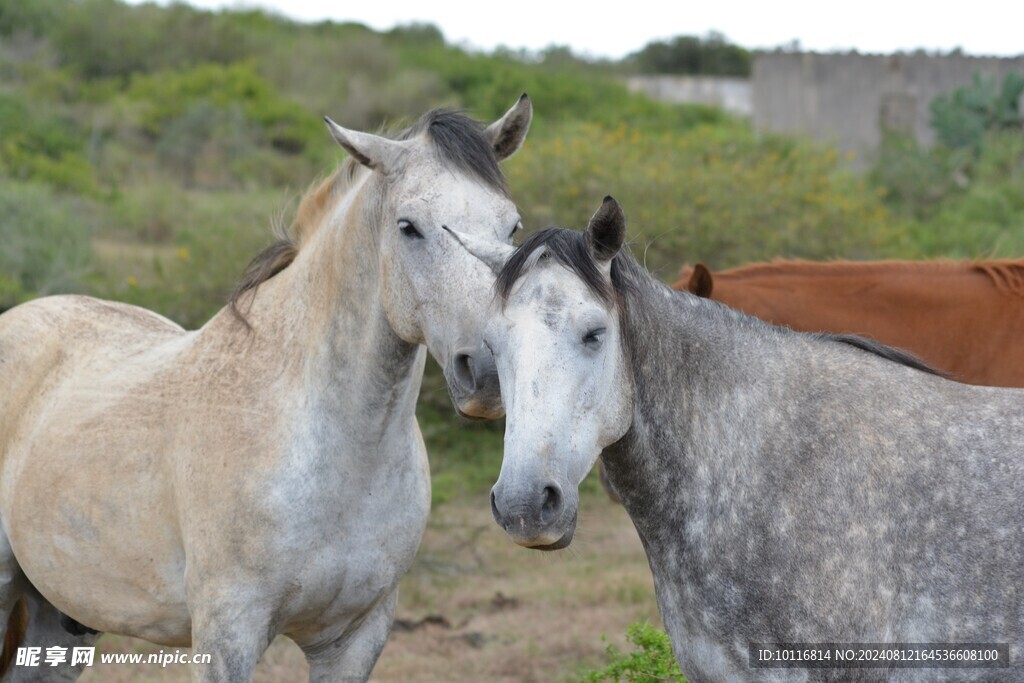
<point>885,351</point>
<point>460,141</point>
<point>569,248</point>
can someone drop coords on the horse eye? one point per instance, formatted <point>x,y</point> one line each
<point>594,337</point>
<point>516,228</point>
<point>409,230</point>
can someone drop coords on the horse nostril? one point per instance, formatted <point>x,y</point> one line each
<point>463,368</point>
<point>551,504</point>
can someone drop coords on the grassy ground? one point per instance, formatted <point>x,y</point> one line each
<point>476,607</point>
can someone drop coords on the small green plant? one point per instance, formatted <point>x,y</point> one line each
<point>650,662</point>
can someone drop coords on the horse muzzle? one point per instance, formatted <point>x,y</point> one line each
<point>473,384</point>
<point>539,518</point>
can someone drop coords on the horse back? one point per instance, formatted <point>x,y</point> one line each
<point>45,342</point>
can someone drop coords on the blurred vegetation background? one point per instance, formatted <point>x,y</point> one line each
<point>145,151</point>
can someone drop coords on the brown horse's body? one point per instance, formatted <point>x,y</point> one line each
<point>966,318</point>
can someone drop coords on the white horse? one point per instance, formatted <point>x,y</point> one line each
<point>264,474</point>
<point>788,487</point>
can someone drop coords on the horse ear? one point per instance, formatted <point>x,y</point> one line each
<point>701,283</point>
<point>606,231</point>
<point>493,254</point>
<point>372,151</point>
<point>506,135</point>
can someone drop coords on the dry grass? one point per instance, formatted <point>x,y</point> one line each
<point>477,608</point>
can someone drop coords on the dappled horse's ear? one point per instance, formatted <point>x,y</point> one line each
<point>701,283</point>
<point>506,135</point>
<point>372,151</point>
<point>606,231</point>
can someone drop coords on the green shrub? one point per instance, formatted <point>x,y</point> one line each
<point>916,179</point>
<point>168,97</point>
<point>107,38</point>
<point>722,194</point>
<point>651,662</point>
<point>962,117</point>
<point>206,241</point>
<point>45,240</point>
<point>985,219</point>
<point>711,55</point>
<point>18,16</point>
<point>41,147</point>
<point>964,196</point>
<point>487,85</point>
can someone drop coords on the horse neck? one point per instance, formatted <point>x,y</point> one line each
<point>699,375</point>
<point>321,323</point>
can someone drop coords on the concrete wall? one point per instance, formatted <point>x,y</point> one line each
<point>732,94</point>
<point>848,98</point>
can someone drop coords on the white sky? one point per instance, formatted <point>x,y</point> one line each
<point>979,27</point>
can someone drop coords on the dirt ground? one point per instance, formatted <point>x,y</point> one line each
<point>478,608</point>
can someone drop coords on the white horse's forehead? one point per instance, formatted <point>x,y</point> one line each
<point>459,202</point>
<point>551,294</point>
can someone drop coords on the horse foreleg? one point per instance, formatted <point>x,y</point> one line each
<point>350,658</point>
<point>233,634</point>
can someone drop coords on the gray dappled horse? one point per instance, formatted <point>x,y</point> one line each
<point>787,487</point>
<point>263,475</point>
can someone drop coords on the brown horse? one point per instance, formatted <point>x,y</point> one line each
<point>965,318</point>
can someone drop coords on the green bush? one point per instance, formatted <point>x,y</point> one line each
<point>18,16</point>
<point>45,240</point>
<point>985,219</point>
<point>722,194</point>
<point>651,662</point>
<point>487,85</point>
<point>206,239</point>
<point>964,196</point>
<point>916,179</point>
<point>37,146</point>
<point>712,55</point>
<point>168,97</point>
<point>107,38</point>
<point>962,117</point>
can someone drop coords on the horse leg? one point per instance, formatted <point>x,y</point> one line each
<point>351,657</point>
<point>45,631</point>
<point>234,633</point>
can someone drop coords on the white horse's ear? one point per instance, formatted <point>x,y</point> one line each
<point>372,151</point>
<point>506,135</point>
<point>492,253</point>
<point>606,231</point>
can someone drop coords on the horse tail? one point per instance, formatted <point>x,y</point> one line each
<point>17,624</point>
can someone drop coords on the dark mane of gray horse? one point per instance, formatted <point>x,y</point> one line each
<point>570,249</point>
